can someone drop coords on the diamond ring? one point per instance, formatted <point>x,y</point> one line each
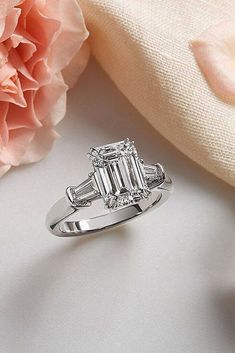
<point>120,187</point>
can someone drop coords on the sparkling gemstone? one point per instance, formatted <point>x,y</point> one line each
<point>119,173</point>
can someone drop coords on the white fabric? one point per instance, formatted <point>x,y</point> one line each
<point>144,47</point>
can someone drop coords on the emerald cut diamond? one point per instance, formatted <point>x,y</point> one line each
<point>119,174</point>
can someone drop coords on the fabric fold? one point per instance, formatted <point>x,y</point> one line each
<point>144,48</point>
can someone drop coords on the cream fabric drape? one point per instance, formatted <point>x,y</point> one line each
<point>143,45</point>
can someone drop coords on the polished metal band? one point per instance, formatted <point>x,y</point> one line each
<point>66,220</point>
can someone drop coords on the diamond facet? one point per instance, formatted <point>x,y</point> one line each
<point>119,173</point>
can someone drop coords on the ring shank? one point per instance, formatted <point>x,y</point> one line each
<point>65,221</point>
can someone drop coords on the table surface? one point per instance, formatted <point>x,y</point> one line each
<point>163,283</point>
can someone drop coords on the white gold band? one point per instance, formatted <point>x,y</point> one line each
<point>64,220</point>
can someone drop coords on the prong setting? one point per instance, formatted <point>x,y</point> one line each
<point>119,174</point>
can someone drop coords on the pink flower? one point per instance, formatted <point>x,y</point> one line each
<point>214,51</point>
<point>38,39</point>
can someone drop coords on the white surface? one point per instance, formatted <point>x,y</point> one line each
<point>163,283</point>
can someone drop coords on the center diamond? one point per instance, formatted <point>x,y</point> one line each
<point>119,173</point>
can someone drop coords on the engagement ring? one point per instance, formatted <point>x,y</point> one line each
<point>120,187</point>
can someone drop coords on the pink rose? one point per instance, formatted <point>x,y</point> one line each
<point>38,39</point>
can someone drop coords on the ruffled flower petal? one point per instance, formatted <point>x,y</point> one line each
<point>71,34</point>
<point>10,24</point>
<point>19,140</point>
<point>4,133</point>
<point>47,96</point>
<point>4,168</point>
<point>25,48</point>
<point>41,27</point>
<point>77,65</point>
<point>57,113</point>
<point>214,51</point>
<point>38,39</point>
<point>39,146</point>
<point>26,117</point>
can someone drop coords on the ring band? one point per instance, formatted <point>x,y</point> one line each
<point>121,181</point>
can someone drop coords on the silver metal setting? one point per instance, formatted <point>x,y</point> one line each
<point>120,180</point>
